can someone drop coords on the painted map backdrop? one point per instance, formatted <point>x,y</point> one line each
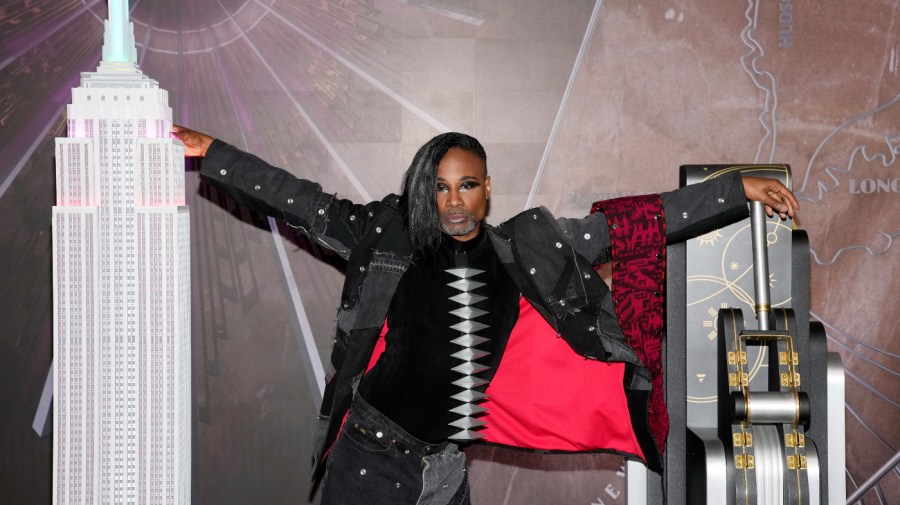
<point>575,101</point>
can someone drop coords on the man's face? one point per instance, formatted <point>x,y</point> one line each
<point>463,189</point>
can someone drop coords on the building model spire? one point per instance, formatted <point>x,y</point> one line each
<point>118,35</point>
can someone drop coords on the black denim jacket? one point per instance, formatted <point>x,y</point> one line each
<point>550,260</point>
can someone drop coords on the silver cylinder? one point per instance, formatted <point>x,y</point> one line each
<point>770,407</point>
<point>760,264</point>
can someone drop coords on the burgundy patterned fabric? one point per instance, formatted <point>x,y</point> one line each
<point>637,230</point>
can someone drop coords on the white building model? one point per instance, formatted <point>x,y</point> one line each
<point>122,372</point>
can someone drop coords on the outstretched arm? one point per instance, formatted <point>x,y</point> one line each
<point>335,223</point>
<point>693,210</point>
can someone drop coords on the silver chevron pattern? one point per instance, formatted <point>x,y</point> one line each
<point>468,354</point>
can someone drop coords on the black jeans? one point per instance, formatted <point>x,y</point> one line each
<point>374,461</point>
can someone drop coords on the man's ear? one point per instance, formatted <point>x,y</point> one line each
<point>487,188</point>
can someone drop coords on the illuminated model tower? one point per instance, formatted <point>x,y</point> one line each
<point>121,290</point>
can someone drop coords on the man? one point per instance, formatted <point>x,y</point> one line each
<point>447,327</point>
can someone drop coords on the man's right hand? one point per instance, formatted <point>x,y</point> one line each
<point>195,143</point>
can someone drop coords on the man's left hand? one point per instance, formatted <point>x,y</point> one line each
<point>771,192</point>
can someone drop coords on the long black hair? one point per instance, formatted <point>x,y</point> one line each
<point>418,203</point>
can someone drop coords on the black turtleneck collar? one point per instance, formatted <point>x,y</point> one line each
<point>470,246</point>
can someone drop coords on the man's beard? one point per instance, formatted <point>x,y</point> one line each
<point>460,228</point>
